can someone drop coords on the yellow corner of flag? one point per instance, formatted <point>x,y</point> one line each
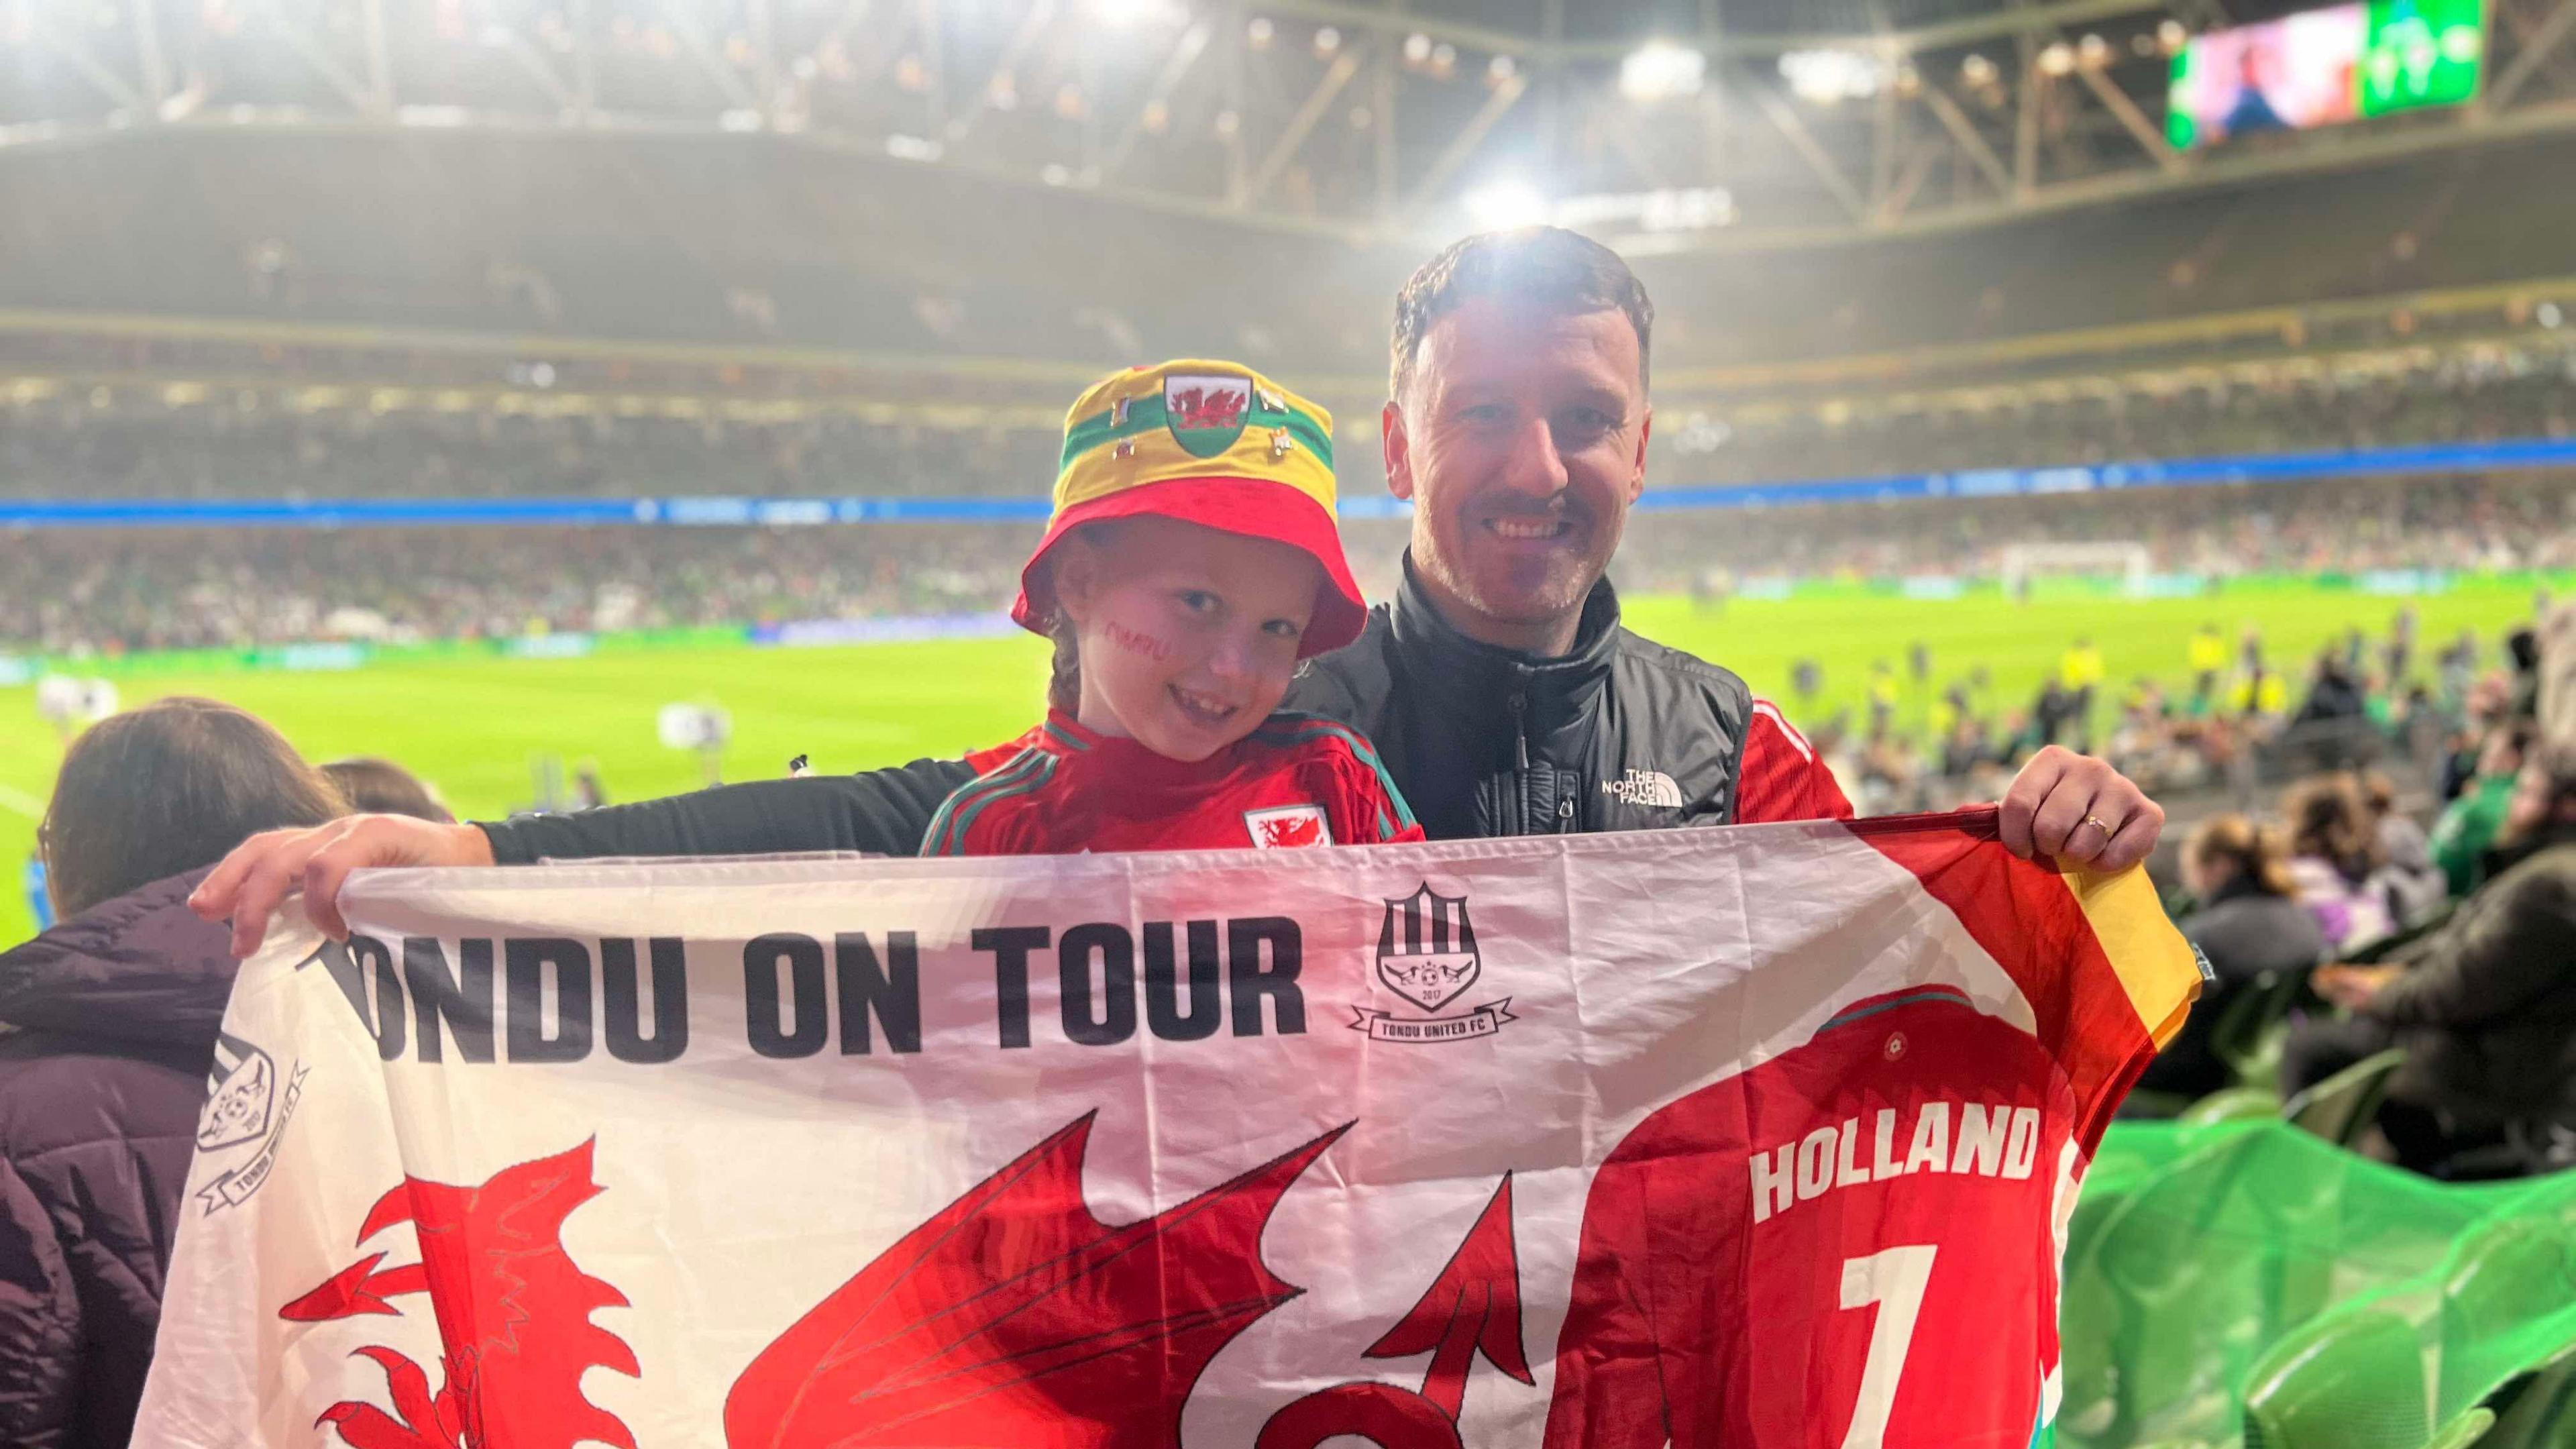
<point>2158,968</point>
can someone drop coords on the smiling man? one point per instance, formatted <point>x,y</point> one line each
<point>1498,686</point>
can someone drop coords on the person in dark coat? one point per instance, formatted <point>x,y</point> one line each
<point>107,1036</point>
<point>2249,925</point>
<point>2485,1008</point>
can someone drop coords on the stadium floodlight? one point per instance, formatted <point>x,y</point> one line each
<point>1502,205</point>
<point>1827,76</point>
<point>1260,32</point>
<point>2171,35</point>
<point>2058,59</point>
<point>1500,70</point>
<point>2093,51</point>
<point>2548,315</point>
<point>1660,70</point>
<point>1417,48</point>
<point>1327,40</point>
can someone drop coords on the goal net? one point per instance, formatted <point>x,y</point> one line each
<point>2122,564</point>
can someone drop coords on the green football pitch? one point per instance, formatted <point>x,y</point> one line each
<point>478,727</point>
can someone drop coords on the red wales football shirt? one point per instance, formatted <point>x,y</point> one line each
<point>1297,780</point>
<point>1813,1253</point>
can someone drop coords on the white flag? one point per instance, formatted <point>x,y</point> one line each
<point>1751,1136</point>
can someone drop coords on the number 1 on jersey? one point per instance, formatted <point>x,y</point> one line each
<point>1893,1279</point>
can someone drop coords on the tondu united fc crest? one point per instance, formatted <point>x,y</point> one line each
<point>1426,954</point>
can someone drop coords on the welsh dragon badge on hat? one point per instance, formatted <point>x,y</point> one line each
<point>1205,411</point>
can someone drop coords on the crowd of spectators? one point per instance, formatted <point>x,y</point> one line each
<point>251,443</point>
<point>122,591</point>
<point>72,591</point>
<point>2460,399</point>
<point>2235,724</point>
<point>2403,877</point>
<point>76,451</point>
<point>2497,521</point>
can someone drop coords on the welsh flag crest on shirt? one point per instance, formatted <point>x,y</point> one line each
<point>1206,411</point>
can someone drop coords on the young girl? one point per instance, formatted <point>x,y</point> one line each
<point>1192,563</point>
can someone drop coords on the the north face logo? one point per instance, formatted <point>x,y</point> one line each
<point>1645,787</point>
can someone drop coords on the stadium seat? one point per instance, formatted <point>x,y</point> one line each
<point>2508,1281</point>
<point>2339,1108</point>
<point>2471,1427</point>
<point>2158,1328</point>
<point>2537,1411</point>
<point>2344,1381</point>
<point>2233,1104</point>
<point>2380,950</point>
<point>2248,1036</point>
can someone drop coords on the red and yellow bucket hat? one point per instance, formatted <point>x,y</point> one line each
<point>1211,443</point>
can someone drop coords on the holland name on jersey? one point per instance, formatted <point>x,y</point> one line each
<point>1993,1140</point>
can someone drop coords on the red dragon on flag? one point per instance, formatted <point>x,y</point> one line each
<point>1015,1319</point>
<point>513,1316</point>
<point>1011,1319</point>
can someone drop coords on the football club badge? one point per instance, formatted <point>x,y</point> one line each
<point>239,1093</point>
<point>1426,953</point>
<point>1206,411</point>
<point>247,1106</point>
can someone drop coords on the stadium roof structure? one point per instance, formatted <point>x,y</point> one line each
<point>1673,126</point>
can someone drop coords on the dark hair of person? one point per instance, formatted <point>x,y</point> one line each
<point>2328,820</point>
<point>375,786</point>
<point>2256,852</point>
<point>1064,669</point>
<point>2378,794</point>
<point>1545,267</point>
<point>166,788</point>
<point>2523,645</point>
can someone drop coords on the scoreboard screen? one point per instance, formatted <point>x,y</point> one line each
<point>2325,67</point>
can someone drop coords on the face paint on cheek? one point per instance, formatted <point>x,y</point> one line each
<point>1134,643</point>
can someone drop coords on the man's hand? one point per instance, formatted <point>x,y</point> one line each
<point>2080,811</point>
<point>2352,987</point>
<point>268,867</point>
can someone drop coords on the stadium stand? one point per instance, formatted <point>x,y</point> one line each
<point>269,301</point>
<point>80,590</point>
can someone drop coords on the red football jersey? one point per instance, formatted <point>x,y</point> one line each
<point>1814,1252</point>
<point>1297,780</point>
<point>1855,1243</point>
<point>1780,776</point>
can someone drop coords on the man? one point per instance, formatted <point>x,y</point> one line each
<point>2486,1008</point>
<point>1498,686</point>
